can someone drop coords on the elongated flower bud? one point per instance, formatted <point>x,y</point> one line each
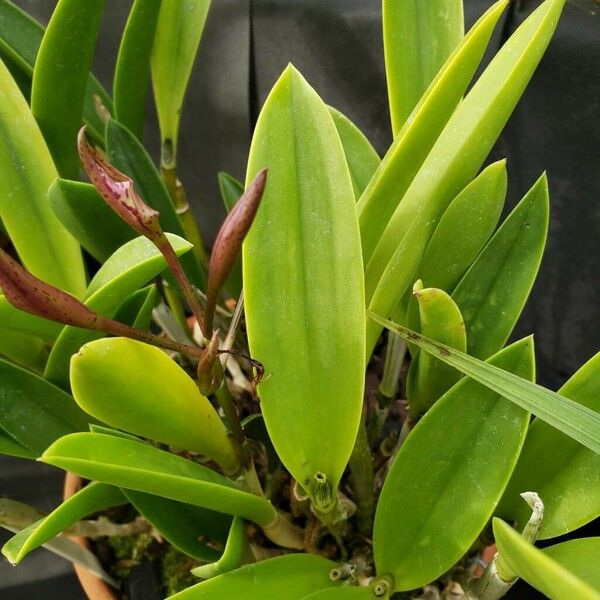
<point>118,191</point>
<point>229,241</point>
<point>29,294</point>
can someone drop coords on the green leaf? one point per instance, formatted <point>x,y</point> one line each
<point>289,577</point>
<point>184,526</point>
<point>136,387</point>
<point>25,350</point>
<point>538,569</point>
<point>129,268</point>
<point>132,71</point>
<point>26,172</point>
<point>231,190</point>
<point>418,38</point>
<point>412,145</point>
<point>14,516</point>
<point>33,411</point>
<point>88,218</point>
<point>343,593</point>
<point>576,421</point>
<point>494,290</point>
<point>470,133</point>
<point>93,498</point>
<point>580,557</point>
<point>303,285</point>
<point>10,447</point>
<point>20,39</point>
<point>433,482</point>
<point>237,552</point>
<point>178,33</point>
<point>60,77</point>
<point>564,474</point>
<point>129,156</point>
<point>464,229</point>
<point>140,467</point>
<point>428,378</point>
<point>137,309</point>
<point>362,158</point>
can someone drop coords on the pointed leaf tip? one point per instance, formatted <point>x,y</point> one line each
<point>118,191</point>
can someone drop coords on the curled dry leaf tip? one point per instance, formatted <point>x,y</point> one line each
<point>118,191</point>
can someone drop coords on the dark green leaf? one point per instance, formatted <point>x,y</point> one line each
<point>33,411</point>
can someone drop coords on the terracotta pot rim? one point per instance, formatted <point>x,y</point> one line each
<point>93,587</point>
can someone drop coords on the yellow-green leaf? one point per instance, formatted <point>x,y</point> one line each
<point>303,284</point>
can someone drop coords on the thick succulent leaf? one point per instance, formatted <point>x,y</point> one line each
<point>418,38</point>
<point>81,209</point>
<point>464,229</point>
<point>132,71</point>
<point>137,309</point>
<point>412,145</point>
<point>231,190</point>
<point>538,569</point>
<point>303,285</point>
<point>60,77</point>
<point>93,498</point>
<point>580,557</point>
<point>20,39</point>
<point>139,388</point>
<point>470,133</point>
<point>576,421</point>
<point>33,411</point>
<point>450,489</point>
<point>362,158</point>
<point>141,467</point>
<point>178,33</point>
<point>428,378</point>
<point>237,552</point>
<point>130,267</point>
<point>289,577</point>
<point>184,526</point>
<point>129,156</point>
<point>564,473</point>
<point>26,172</point>
<point>10,447</point>
<point>494,290</point>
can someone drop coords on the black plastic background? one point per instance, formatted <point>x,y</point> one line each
<point>337,46</point>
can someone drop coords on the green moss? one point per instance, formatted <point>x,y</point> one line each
<point>175,568</point>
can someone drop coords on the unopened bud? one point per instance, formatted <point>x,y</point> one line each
<point>210,371</point>
<point>229,241</point>
<point>29,294</point>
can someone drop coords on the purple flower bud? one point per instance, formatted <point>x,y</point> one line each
<point>229,241</point>
<point>118,191</point>
<point>31,295</point>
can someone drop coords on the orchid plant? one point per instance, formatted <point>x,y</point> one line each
<point>222,397</point>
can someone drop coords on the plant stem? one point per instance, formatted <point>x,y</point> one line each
<point>363,479</point>
<point>187,290</point>
<point>225,399</point>
<point>182,206</point>
<point>284,533</point>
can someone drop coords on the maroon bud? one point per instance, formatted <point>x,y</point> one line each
<point>118,191</point>
<point>31,295</point>
<point>229,241</point>
<point>210,371</point>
